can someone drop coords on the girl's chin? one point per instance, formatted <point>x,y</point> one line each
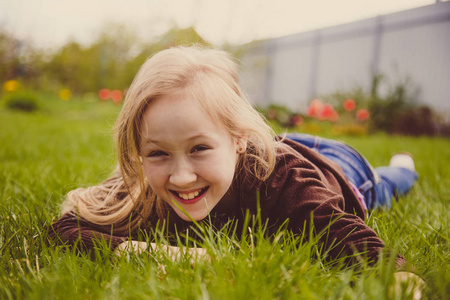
<point>195,212</point>
<point>197,216</point>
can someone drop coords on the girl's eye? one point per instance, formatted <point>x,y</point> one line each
<point>199,148</point>
<point>157,153</point>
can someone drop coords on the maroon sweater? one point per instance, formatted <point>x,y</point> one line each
<point>303,184</point>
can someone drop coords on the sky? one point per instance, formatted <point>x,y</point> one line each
<point>51,23</point>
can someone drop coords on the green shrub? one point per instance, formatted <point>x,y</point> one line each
<point>22,101</point>
<point>386,110</point>
<point>278,113</point>
<point>395,112</point>
<point>416,121</point>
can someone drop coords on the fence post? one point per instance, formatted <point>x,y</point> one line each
<point>313,72</point>
<point>268,78</point>
<point>376,46</point>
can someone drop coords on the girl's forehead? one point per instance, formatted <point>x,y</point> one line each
<point>177,113</point>
<point>193,100</point>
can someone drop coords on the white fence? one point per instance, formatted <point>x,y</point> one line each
<point>412,44</point>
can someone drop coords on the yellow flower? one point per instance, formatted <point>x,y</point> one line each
<point>65,94</point>
<point>11,86</point>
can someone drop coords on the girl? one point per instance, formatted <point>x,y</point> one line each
<point>190,146</point>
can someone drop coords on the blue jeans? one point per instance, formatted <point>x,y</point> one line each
<point>378,186</point>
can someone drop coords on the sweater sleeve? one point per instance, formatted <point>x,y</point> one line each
<point>77,232</point>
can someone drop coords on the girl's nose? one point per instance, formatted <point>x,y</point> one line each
<point>182,176</point>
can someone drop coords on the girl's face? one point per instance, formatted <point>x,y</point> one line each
<point>188,159</point>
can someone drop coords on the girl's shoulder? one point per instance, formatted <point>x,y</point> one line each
<point>293,154</point>
<point>299,154</point>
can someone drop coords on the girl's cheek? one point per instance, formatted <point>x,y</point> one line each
<point>160,171</point>
<point>153,172</point>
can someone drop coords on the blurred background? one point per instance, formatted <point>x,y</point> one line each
<point>353,66</point>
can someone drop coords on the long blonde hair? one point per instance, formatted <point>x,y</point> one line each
<point>205,75</point>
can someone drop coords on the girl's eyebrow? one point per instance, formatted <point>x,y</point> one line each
<point>198,136</point>
<point>194,137</point>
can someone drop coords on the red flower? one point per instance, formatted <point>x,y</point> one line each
<point>116,96</point>
<point>104,94</point>
<point>334,116</point>
<point>362,114</point>
<point>349,104</point>
<point>315,108</point>
<point>311,111</point>
<point>327,112</point>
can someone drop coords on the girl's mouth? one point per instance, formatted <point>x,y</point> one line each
<point>190,197</point>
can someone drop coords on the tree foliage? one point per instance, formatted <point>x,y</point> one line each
<point>111,61</point>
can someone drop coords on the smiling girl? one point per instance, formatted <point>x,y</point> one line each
<point>191,147</point>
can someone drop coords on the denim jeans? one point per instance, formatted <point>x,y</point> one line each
<point>378,186</point>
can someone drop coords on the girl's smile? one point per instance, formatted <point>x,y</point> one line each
<point>189,160</point>
<point>190,197</point>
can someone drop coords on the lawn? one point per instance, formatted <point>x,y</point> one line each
<point>65,145</point>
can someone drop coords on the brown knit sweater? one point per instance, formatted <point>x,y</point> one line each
<point>303,184</point>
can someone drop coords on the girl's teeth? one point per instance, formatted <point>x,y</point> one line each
<point>189,196</point>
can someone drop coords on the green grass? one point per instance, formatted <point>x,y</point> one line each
<point>65,145</point>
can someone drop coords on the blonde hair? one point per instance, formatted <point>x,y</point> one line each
<point>205,75</point>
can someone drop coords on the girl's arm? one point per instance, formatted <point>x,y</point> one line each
<point>74,231</point>
<point>174,253</point>
<point>314,195</point>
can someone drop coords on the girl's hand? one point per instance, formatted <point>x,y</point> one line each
<point>130,246</point>
<point>413,284</point>
<point>175,253</point>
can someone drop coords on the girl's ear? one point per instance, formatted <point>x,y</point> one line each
<point>241,144</point>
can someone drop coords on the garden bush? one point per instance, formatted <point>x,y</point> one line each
<point>22,101</point>
<point>396,111</point>
<point>385,111</point>
<point>416,121</point>
<point>277,113</point>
